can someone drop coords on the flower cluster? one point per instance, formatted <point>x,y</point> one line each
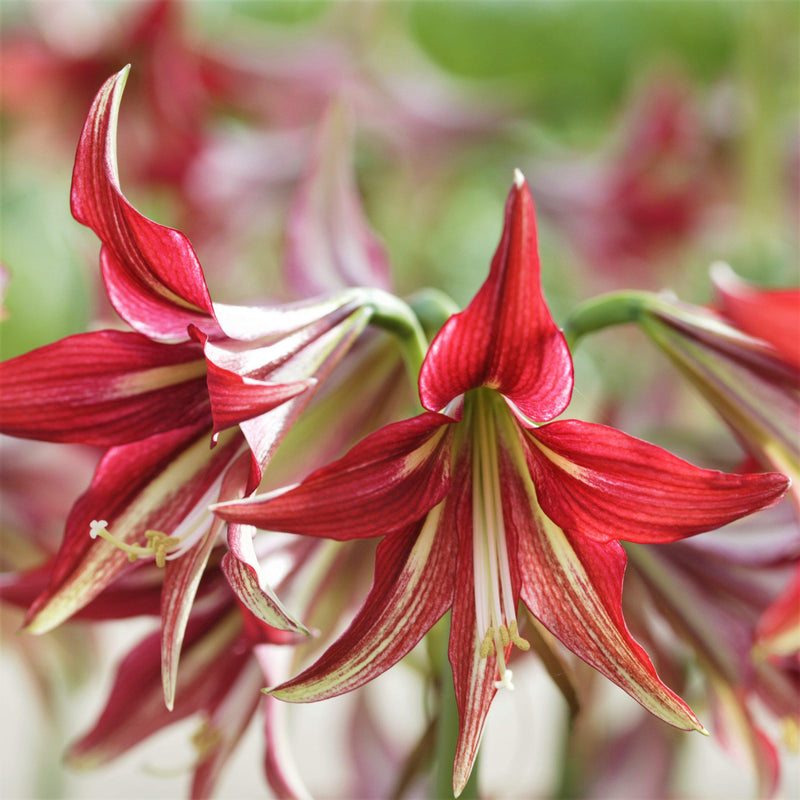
<point>249,451</point>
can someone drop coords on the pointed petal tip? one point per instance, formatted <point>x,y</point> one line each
<point>39,624</point>
<point>519,178</point>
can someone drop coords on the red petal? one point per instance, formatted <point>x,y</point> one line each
<point>573,586</point>
<point>235,399</point>
<point>152,274</point>
<point>387,481</point>
<point>473,677</point>
<point>154,484</point>
<point>135,709</point>
<point>412,589</point>
<point>103,388</point>
<point>769,314</point>
<point>243,571</point>
<point>506,338</point>
<point>597,482</point>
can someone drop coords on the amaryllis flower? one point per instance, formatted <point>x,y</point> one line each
<point>53,67</point>
<point>191,404</point>
<point>773,316</point>
<point>642,198</point>
<point>481,506</point>
<point>711,592</point>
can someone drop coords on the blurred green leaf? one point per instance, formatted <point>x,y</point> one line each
<point>572,56</point>
<point>48,295</point>
<point>282,12</point>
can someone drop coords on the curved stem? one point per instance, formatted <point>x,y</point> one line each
<point>392,314</point>
<point>616,308</point>
<point>433,308</point>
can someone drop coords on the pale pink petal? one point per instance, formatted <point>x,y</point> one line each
<point>329,242</point>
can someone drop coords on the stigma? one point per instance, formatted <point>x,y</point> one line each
<point>495,608</point>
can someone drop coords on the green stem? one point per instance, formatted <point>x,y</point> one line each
<point>616,308</point>
<point>391,314</point>
<point>433,308</point>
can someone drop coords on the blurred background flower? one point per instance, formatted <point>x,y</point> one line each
<point>657,138</point>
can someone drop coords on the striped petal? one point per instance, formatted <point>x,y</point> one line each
<point>473,677</point>
<point>505,339</point>
<point>151,272</point>
<point>104,388</point>
<point>389,480</point>
<point>135,709</point>
<point>182,578</point>
<point>573,585</point>
<point>412,589</point>
<point>159,484</point>
<point>236,398</point>
<point>245,576</point>
<point>597,482</point>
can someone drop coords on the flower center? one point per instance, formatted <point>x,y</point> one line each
<point>495,609</point>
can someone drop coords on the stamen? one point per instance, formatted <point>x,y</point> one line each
<point>487,645</point>
<point>522,644</point>
<point>495,610</point>
<point>158,543</point>
<point>205,739</point>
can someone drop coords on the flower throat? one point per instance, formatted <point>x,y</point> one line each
<point>495,609</point>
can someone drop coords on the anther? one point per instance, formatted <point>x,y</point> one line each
<point>160,544</point>
<point>487,645</point>
<point>205,739</point>
<point>504,637</point>
<point>522,644</point>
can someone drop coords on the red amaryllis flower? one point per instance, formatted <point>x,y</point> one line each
<point>772,315</point>
<point>177,402</point>
<point>712,591</point>
<point>482,506</point>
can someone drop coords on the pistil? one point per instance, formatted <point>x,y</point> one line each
<point>495,609</point>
